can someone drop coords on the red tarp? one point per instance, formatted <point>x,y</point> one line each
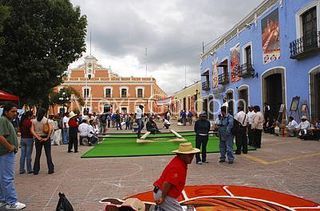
<point>5,96</point>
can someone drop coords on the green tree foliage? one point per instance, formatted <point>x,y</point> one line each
<point>4,14</point>
<point>42,37</point>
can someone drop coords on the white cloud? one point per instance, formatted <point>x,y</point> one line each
<point>171,30</point>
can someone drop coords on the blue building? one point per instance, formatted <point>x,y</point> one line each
<point>271,56</point>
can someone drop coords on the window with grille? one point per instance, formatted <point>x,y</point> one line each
<point>140,93</point>
<point>108,93</point>
<point>124,92</point>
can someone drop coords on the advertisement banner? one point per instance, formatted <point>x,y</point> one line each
<point>235,63</point>
<point>215,79</point>
<point>270,37</point>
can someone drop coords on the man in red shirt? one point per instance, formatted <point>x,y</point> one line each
<point>173,178</point>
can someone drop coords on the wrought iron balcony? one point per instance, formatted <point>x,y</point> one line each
<point>306,45</point>
<point>246,70</point>
<point>206,86</point>
<point>223,78</point>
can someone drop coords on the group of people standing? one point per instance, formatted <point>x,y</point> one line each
<point>34,132</point>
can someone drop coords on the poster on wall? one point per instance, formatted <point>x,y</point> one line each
<point>270,37</point>
<point>215,77</point>
<point>235,63</point>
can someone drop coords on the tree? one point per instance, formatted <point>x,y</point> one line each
<point>68,93</point>
<point>42,38</point>
<point>4,14</point>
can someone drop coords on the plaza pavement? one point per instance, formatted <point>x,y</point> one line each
<point>288,165</point>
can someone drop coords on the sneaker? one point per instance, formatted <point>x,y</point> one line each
<point>230,161</point>
<point>222,161</point>
<point>199,162</point>
<point>2,203</point>
<point>16,206</point>
<point>205,162</point>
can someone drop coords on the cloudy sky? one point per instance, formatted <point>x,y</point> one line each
<point>172,31</point>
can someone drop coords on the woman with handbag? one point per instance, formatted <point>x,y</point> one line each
<point>41,131</point>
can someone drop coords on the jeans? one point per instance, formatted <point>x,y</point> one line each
<point>65,135</point>
<point>139,122</point>
<point>47,149</point>
<point>26,152</point>
<point>226,147</point>
<point>201,141</point>
<point>8,192</point>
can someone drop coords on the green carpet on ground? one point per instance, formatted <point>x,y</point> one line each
<point>127,147</point>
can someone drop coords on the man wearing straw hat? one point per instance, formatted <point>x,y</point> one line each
<point>173,179</point>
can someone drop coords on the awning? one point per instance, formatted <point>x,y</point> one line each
<point>223,63</point>
<point>206,73</point>
<point>5,96</point>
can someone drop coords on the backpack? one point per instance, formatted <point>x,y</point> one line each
<point>63,203</point>
<point>237,126</point>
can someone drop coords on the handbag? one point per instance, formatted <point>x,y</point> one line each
<point>46,127</point>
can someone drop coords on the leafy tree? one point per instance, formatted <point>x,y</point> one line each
<point>69,92</point>
<point>4,14</point>
<point>42,37</point>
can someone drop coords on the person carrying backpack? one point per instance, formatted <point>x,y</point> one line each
<point>225,135</point>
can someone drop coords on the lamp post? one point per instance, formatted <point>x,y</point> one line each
<point>63,99</point>
<point>87,93</point>
<point>196,100</point>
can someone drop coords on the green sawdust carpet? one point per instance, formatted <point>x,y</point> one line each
<point>119,146</point>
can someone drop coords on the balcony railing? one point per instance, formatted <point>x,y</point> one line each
<point>223,78</point>
<point>304,46</point>
<point>246,70</point>
<point>205,86</point>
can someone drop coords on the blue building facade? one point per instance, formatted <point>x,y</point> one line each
<point>271,56</point>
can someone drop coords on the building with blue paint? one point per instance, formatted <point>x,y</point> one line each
<point>271,56</point>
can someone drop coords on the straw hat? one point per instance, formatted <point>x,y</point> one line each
<point>72,114</point>
<point>186,148</point>
<point>304,117</point>
<point>134,203</point>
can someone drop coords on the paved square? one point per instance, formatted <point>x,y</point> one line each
<point>287,165</point>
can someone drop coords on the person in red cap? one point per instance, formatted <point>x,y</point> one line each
<point>173,179</point>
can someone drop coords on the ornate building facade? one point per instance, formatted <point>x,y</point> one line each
<point>104,91</point>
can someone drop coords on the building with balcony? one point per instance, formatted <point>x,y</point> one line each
<point>105,91</point>
<point>270,56</point>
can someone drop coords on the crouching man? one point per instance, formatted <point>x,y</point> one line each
<point>173,179</point>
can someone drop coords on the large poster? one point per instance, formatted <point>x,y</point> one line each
<point>235,63</point>
<point>215,78</point>
<point>270,37</point>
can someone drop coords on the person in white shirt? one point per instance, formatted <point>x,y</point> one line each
<point>83,131</point>
<point>166,123</point>
<point>139,114</point>
<point>250,116</point>
<point>291,127</point>
<point>65,130</point>
<point>303,127</point>
<point>257,127</point>
<point>241,137</point>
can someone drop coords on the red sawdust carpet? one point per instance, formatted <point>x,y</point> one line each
<point>222,197</point>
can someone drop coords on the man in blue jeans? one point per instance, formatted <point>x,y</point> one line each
<point>8,148</point>
<point>226,138</point>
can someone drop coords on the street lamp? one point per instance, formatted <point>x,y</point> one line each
<point>196,100</point>
<point>87,94</point>
<point>63,99</point>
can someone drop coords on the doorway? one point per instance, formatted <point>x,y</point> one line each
<point>230,102</point>
<point>243,98</point>
<point>315,94</point>
<point>273,87</point>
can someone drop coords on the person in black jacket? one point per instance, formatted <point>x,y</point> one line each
<point>202,128</point>
<point>152,126</point>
